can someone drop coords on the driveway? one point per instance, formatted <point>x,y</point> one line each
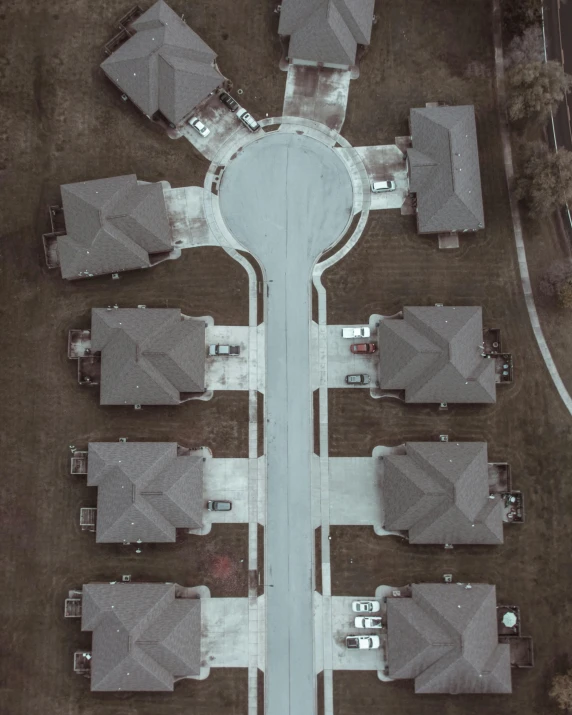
<point>342,362</point>
<point>224,633</point>
<point>381,163</point>
<point>318,94</point>
<point>343,625</point>
<point>227,372</point>
<point>221,122</point>
<point>288,197</point>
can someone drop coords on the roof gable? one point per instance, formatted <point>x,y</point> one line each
<point>164,66</point>
<point>146,491</point>
<point>444,169</point>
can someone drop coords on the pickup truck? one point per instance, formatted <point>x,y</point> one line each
<point>363,642</point>
<point>355,332</point>
<point>363,348</point>
<point>224,350</point>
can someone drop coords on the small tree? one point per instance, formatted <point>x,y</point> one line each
<point>561,690</point>
<point>557,282</point>
<point>526,48</point>
<point>518,15</point>
<point>536,89</point>
<point>545,178</point>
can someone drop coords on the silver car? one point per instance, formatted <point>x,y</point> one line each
<point>196,123</point>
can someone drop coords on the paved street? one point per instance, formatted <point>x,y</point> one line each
<point>287,197</point>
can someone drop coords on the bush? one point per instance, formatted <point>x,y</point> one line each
<point>545,178</point>
<point>561,690</point>
<point>518,15</point>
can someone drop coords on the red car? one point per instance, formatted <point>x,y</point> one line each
<point>363,348</point>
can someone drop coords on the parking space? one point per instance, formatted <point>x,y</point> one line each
<point>221,123</point>
<point>227,372</point>
<point>344,658</point>
<point>383,163</point>
<point>187,217</point>
<point>224,633</point>
<point>316,93</point>
<point>342,362</point>
<point>225,480</point>
<point>355,493</point>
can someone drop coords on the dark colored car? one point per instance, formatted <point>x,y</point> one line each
<point>231,103</point>
<point>213,505</point>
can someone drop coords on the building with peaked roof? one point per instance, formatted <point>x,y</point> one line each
<point>164,68</point>
<point>445,637</point>
<point>326,32</point>
<point>113,225</point>
<point>439,493</point>
<point>435,354</point>
<point>145,637</point>
<point>146,490</point>
<point>148,357</point>
<point>444,171</point>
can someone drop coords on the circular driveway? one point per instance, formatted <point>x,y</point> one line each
<point>286,192</point>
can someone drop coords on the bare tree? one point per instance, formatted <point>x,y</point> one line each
<point>557,282</point>
<point>536,89</point>
<point>525,48</point>
<point>545,178</point>
<point>561,690</point>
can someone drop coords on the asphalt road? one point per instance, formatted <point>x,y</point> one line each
<point>558,31</point>
<point>287,198</point>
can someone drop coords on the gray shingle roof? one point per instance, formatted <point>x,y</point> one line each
<point>433,354</point>
<point>148,357</point>
<point>145,491</point>
<point>445,636</point>
<point>112,225</point>
<point>439,493</point>
<point>444,169</point>
<point>164,66</point>
<point>326,31</point>
<point>143,637</point>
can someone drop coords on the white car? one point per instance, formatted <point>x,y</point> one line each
<point>356,332</point>
<point>366,607</point>
<point>248,120</point>
<point>378,187</point>
<point>363,642</point>
<point>196,123</point>
<point>368,622</point>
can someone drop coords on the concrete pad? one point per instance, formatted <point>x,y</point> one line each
<point>222,123</point>
<point>342,626</point>
<point>227,372</point>
<point>342,362</point>
<point>381,163</point>
<point>224,633</point>
<point>226,479</point>
<point>187,217</point>
<point>448,240</point>
<point>316,93</point>
<point>355,491</point>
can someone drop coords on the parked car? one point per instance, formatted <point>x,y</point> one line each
<point>231,103</point>
<point>248,120</point>
<point>213,505</point>
<point>366,607</point>
<point>196,123</point>
<point>355,332</point>
<point>378,187</point>
<point>363,348</point>
<point>363,642</point>
<point>357,379</point>
<point>368,622</point>
<point>224,350</point>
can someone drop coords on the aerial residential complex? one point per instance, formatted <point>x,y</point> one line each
<point>261,477</point>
